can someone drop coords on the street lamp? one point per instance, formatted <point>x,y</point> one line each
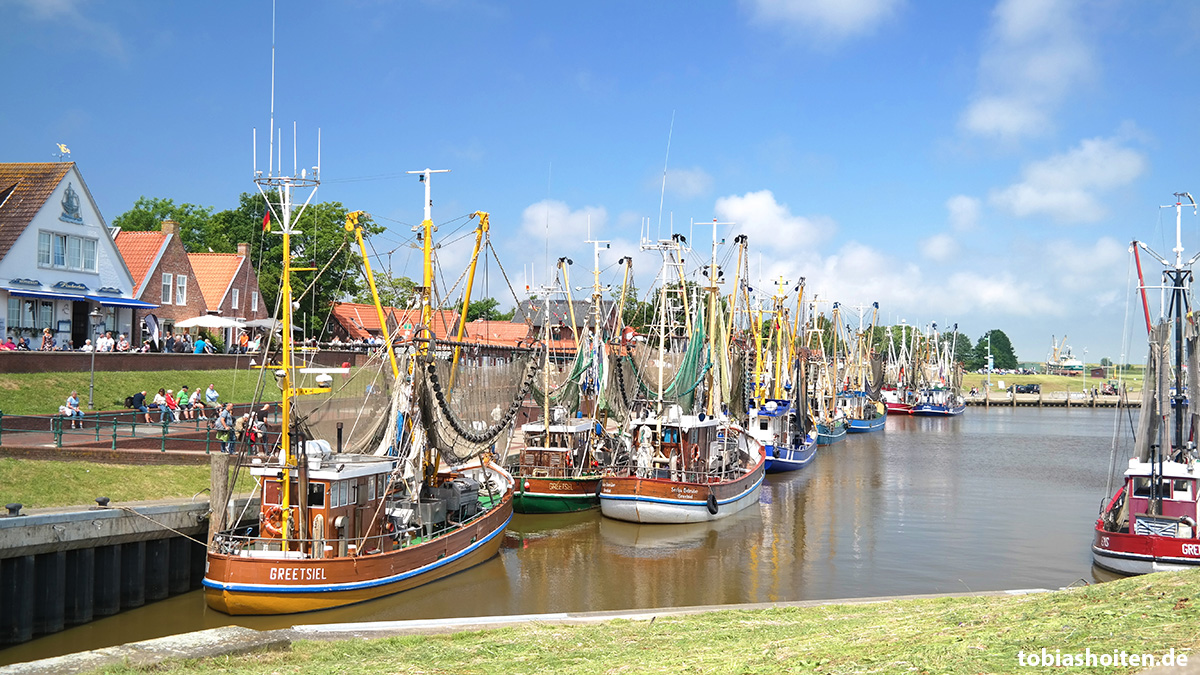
<point>95,315</point>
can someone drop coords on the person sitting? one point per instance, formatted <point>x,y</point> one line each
<point>211,397</point>
<point>139,406</point>
<point>164,412</point>
<point>71,410</point>
<point>196,403</point>
<point>122,343</point>
<point>173,406</point>
<point>9,345</point>
<point>87,346</point>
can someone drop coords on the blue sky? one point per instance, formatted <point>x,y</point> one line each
<point>971,163</point>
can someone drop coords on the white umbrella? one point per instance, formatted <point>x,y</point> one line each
<point>272,324</point>
<point>208,321</point>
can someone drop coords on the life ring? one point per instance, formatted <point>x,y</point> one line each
<point>272,520</point>
<point>712,503</point>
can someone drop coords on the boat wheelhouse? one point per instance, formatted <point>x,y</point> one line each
<point>779,428</point>
<point>556,471</point>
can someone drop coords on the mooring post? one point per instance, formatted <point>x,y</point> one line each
<point>218,495</point>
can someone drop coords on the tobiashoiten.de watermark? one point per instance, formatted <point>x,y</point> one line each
<point>1088,658</point>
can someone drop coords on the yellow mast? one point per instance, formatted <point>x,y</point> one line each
<point>480,233</point>
<point>352,225</point>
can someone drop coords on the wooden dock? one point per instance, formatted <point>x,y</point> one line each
<point>1058,399</point>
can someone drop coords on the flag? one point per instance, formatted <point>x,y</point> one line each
<point>267,221</point>
<point>63,149</point>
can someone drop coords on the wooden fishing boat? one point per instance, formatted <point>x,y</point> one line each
<point>1150,523</point>
<point>777,425</point>
<point>556,472</point>
<point>688,461</point>
<point>417,499</point>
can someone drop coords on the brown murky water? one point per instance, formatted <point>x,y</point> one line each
<point>996,499</point>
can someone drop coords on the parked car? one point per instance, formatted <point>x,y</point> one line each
<point>1028,388</point>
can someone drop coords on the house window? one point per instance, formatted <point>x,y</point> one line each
<point>46,317</point>
<point>253,301</point>
<point>24,313</point>
<point>181,290</point>
<point>60,250</point>
<point>44,248</point>
<point>14,312</point>
<point>235,298</point>
<point>166,288</point>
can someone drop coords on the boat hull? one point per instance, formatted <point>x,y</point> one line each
<point>937,410</point>
<point>1141,554</point>
<point>899,408</point>
<point>556,495</point>
<point>655,500</point>
<point>239,585</point>
<point>781,459</point>
<point>866,426</point>
<point>830,434</point>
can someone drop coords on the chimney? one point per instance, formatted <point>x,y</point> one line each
<point>169,226</point>
<point>244,250</point>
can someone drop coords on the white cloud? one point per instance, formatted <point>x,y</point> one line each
<point>771,226</point>
<point>940,247</point>
<point>1064,187</point>
<point>964,212</point>
<point>554,223</point>
<point>830,20</point>
<point>1035,57</point>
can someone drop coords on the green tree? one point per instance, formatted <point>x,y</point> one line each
<point>1002,351</point>
<point>486,309</point>
<point>396,292</point>
<point>1106,362</point>
<point>148,214</point>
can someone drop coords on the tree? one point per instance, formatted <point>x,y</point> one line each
<point>148,214</point>
<point>486,309</point>
<point>396,292</point>
<point>1002,351</point>
<point>1106,362</point>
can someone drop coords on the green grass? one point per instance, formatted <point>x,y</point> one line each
<point>40,484</point>
<point>43,393</point>
<point>1149,614</point>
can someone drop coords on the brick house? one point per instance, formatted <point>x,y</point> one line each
<point>229,285</point>
<point>162,275</point>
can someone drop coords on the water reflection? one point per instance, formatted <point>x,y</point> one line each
<point>996,499</point>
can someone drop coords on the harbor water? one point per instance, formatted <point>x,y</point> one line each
<point>999,498</point>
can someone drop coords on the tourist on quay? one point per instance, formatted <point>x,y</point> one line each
<point>139,406</point>
<point>224,428</point>
<point>173,406</point>
<point>164,412</point>
<point>105,343</point>
<point>200,346</point>
<point>170,343</point>
<point>185,406</point>
<point>87,346</point>
<point>122,343</point>
<point>211,396</point>
<point>196,403</point>
<point>71,410</point>
<point>9,345</point>
<point>47,340</point>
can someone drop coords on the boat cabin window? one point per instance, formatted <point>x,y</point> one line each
<point>272,493</point>
<point>1141,487</point>
<point>1183,490</point>
<point>316,495</point>
<point>764,423</point>
<point>371,489</point>
<point>339,493</point>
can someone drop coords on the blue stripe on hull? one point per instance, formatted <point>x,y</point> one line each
<point>789,459</point>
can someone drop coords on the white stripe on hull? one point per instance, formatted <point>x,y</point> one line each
<point>1136,564</point>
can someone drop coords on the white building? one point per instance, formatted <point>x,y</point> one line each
<point>58,263</point>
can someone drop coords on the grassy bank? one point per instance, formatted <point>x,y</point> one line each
<point>45,484</point>
<point>1150,614</point>
<point>42,393</point>
<point>1054,383</point>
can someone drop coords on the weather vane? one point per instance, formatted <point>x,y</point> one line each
<point>63,152</point>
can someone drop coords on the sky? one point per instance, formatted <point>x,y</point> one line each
<point>966,163</point>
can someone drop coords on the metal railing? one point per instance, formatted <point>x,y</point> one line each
<point>120,430</point>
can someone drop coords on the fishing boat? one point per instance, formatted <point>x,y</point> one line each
<point>409,495</point>
<point>939,393</point>
<point>782,425</point>
<point>565,454</point>
<point>1150,523</point>
<point>861,398</point>
<point>830,419</point>
<point>688,461</point>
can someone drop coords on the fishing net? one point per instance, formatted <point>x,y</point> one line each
<point>359,402</point>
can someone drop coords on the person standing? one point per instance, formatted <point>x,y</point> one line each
<point>198,348</point>
<point>47,340</point>
<point>224,427</point>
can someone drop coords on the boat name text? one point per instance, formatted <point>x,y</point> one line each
<point>297,574</point>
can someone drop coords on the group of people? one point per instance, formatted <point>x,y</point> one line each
<point>203,405</point>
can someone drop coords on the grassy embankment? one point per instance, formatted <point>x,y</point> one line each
<point>42,484</point>
<point>1132,377</point>
<point>42,393</point>
<point>1151,614</point>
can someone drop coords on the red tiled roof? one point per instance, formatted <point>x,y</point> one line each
<point>214,272</point>
<point>140,250</point>
<point>27,185</point>
<point>361,321</point>
<point>499,333</point>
